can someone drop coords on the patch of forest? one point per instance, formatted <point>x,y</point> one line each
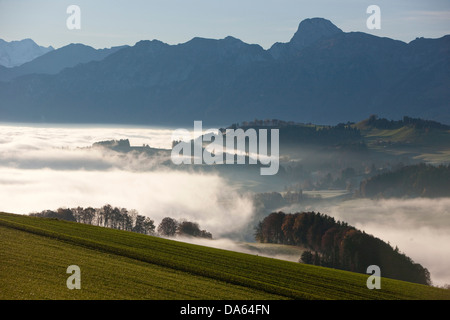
<point>338,245</point>
<point>420,180</point>
<point>417,123</point>
<point>293,133</point>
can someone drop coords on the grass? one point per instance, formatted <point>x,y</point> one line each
<point>35,253</point>
<point>431,146</point>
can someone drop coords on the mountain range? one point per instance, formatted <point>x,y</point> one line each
<point>15,53</point>
<point>322,75</point>
<point>57,60</point>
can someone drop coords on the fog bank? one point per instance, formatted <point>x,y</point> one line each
<point>48,168</point>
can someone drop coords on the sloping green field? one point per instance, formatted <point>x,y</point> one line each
<point>425,145</point>
<point>35,253</point>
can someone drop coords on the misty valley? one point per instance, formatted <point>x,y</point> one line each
<point>233,151</point>
<point>371,192</point>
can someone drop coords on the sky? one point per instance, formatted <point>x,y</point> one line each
<point>106,23</point>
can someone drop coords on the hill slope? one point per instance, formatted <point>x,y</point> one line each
<point>115,264</point>
<point>418,139</point>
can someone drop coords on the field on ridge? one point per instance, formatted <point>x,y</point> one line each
<point>114,264</point>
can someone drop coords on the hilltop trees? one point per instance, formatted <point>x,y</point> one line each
<point>124,219</point>
<point>383,123</point>
<point>307,257</point>
<point>168,227</point>
<point>192,229</point>
<point>106,216</point>
<point>338,245</point>
<point>144,225</point>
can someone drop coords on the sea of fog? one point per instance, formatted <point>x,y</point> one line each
<point>47,167</point>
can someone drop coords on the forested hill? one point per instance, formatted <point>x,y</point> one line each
<point>292,133</point>
<point>338,245</point>
<point>383,123</point>
<point>421,180</point>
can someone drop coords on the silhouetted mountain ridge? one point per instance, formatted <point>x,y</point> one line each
<point>323,75</point>
<point>309,31</point>
<point>55,61</point>
<point>16,53</point>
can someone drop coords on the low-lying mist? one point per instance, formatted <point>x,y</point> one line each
<point>205,199</point>
<point>47,168</point>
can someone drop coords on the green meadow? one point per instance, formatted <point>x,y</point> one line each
<point>115,264</point>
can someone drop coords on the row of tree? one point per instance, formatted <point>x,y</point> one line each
<point>417,123</point>
<point>292,133</point>
<point>336,244</point>
<point>340,134</point>
<point>124,219</point>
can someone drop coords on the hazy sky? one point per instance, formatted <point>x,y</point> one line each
<point>106,23</point>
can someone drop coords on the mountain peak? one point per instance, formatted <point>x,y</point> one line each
<point>18,52</point>
<point>311,30</point>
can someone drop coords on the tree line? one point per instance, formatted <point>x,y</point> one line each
<point>292,133</point>
<point>341,134</point>
<point>420,180</point>
<point>124,219</point>
<point>335,244</point>
<point>417,123</point>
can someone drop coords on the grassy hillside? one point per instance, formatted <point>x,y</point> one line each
<point>36,252</point>
<point>424,141</point>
